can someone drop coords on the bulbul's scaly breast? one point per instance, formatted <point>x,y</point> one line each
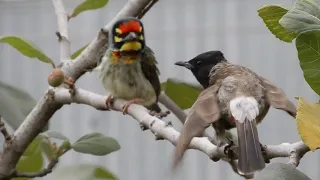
<point>126,81</point>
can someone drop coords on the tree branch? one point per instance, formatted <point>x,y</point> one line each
<point>41,173</point>
<point>46,107</point>
<point>63,37</point>
<point>294,151</point>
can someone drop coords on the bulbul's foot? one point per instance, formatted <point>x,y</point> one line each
<point>227,149</point>
<point>159,115</point>
<point>126,106</point>
<point>230,149</point>
<point>264,153</point>
<point>109,102</point>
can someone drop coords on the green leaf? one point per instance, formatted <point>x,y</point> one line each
<point>308,47</point>
<point>280,171</point>
<point>88,5</point>
<point>182,93</point>
<point>54,134</point>
<point>30,164</point>
<point>34,147</point>
<point>78,52</point>
<point>46,148</point>
<point>271,14</point>
<point>26,48</point>
<point>103,173</point>
<point>302,17</point>
<point>96,144</point>
<point>82,172</point>
<point>15,104</point>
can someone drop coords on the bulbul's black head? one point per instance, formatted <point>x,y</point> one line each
<point>202,64</point>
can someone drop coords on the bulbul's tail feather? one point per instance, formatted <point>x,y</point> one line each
<point>245,110</point>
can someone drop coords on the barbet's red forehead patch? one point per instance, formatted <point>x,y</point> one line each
<point>130,26</point>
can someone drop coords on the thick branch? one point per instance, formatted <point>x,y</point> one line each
<point>294,151</point>
<point>62,19</point>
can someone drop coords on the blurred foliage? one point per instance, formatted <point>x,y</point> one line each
<point>83,172</point>
<point>302,19</point>
<point>182,93</point>
<point>15,104</point>
<point>280,171</point>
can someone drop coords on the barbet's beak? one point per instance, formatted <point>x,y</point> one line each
<point>131,43</point>
<point>185,64</point>
<point>131,37</point>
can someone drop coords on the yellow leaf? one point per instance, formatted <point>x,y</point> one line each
<point>308,122</point>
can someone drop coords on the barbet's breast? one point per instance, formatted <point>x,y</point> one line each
<point>126,81</point>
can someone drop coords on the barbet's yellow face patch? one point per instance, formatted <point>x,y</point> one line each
<point>131,46</point>
<point>122,33</point>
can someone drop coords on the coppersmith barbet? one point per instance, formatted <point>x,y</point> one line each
<point>234,96</point>
<point>128,69</point>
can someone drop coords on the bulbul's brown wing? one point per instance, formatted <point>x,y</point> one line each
<point>278,99</point>
<point>202,113</point>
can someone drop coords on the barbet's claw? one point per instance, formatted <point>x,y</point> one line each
<point>70,82</point>
<point>126,106</point>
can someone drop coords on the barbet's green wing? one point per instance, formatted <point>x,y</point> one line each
<point>150,70</point>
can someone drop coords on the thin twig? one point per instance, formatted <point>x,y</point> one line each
<point>41,173</point>
<point>148,7</point>
<point>4,131</point>
<point>62,20</point>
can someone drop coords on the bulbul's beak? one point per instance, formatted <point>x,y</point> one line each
<point>131,37</point>
<point>185,64</point>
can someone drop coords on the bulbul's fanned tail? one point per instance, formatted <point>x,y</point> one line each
<point>245,110</point>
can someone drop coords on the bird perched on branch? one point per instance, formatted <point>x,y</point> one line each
<point>128,68</point>
<point>234,96</point>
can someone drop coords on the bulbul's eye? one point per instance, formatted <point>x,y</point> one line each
<point>199,62</point>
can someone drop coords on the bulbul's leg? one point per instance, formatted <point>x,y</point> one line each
<point>126,106</point>
<point>264,153</point>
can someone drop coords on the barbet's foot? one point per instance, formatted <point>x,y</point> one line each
<point>109,102</point>
<point>126,106</point>
<point>159,115</point>
<point>70,82</point>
